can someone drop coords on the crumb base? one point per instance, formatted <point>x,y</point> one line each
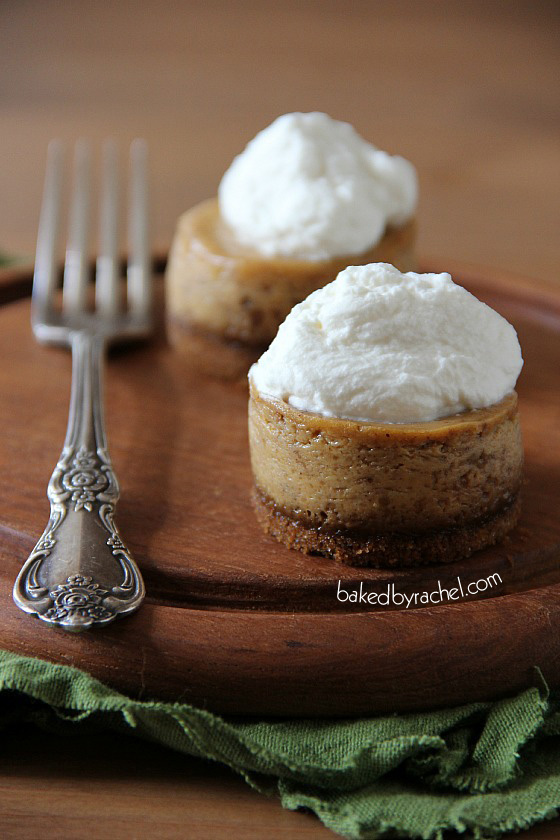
<point>212,353</point>
<point>385,550</point>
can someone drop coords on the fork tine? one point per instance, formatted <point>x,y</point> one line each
<point>75,267</point>
<point>44,278</point>
<point>107,296</point>
<point>139,288</point>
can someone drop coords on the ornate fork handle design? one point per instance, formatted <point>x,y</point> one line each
<point>81,573</point>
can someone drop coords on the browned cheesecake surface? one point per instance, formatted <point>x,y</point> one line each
<point>381,494</point>
<point>215,284</point>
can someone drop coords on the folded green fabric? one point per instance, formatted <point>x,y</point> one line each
<point>486,767</point>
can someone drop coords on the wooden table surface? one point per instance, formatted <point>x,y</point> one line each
<point>467,91</point>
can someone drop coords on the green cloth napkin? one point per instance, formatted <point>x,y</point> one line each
<point>485,767</point>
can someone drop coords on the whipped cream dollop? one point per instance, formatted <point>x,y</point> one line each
<point>378,345</point>
<point>310,187</point>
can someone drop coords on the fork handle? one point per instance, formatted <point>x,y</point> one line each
<point>81,573</point>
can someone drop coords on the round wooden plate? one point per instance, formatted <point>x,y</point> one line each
<point>237,623</point>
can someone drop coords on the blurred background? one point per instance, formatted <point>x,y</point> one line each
<point>468,91</point>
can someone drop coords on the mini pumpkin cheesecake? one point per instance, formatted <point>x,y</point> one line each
<point>407,488</point>
<point>307,198</point>
<point>372,494</point>
<point>220,288</point>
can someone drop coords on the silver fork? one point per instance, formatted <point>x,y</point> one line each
<point>81,573</point>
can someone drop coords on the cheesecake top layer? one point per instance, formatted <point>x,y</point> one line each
<point>310,187</point>
<point>379,346</point>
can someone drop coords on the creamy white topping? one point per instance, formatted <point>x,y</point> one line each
<point>310,187</point>
<point>378,345</point>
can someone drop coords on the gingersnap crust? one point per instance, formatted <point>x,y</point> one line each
<point>384,550</point>
<point>211,354</point>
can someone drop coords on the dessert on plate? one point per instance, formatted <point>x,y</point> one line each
<point>307,197</point>
<point>383,422</point>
